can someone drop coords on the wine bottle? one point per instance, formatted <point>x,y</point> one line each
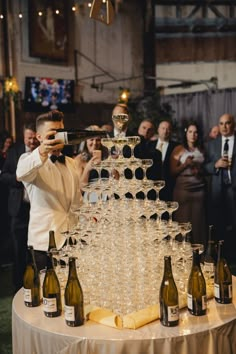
<point>223,278</point>
<point>52,242</point>
<point>196,294</point>
<point>73,137</point>
<point>210,255</point>
<point>169,302</point>
<point>31,282</point>
<point>74,303</point>
<point>51,291</point>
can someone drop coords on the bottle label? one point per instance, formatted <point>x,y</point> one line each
<point>204,302</point>
<point>173,313</point>
<point>69,313</point>
<point>49,305</point>
<point>27,295</point>
<point>190,301</point>
<point>230,291</point>
<point>217,290</point>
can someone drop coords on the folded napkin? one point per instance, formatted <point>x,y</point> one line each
<point>136,319</point>
<point>103,316</point>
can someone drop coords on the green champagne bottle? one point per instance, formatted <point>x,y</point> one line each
<point>74,302</point>
<point>52,242</point>
<point>196,295</point>
<point>51,291</point>
<point>169,301</point>
<point>31,282</point>
<point>223,278</point>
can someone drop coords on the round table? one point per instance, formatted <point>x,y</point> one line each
<point>34,333</point>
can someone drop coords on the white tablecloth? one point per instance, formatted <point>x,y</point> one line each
<point>34,333</point>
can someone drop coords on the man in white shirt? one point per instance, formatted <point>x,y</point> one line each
<point>52,186</point>
<point>220,165</point>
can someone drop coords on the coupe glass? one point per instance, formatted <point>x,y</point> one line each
<point>157,186</point>
<point>108,143</point>
<point>119,143</point>
<point>171,207</point>
<point>120,122</point>
<point>145,164</point>
<point>132,141</point>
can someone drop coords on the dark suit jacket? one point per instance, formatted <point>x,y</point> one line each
<point>167,192</point>
<point>8,177</point>
<point>213,153</point>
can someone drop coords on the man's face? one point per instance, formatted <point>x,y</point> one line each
<point>46,127</point>
<point>30,139</point>
<point>146,129</point>
<point>226,125</point>
<point>164,131</point>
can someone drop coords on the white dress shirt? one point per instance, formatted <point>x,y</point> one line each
<point>54,195</point>
<point>162,146</point>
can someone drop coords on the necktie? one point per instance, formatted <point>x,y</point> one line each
<point>60,158</point>
<point>225,171</point>
<point>160,146</point>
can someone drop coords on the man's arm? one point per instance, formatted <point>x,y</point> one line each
<point>28,165</point>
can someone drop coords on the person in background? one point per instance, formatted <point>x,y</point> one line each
<point>6,142</point>
<point>121,108</point>
<point>93,152</point>
<point>107,127</point>
<point>214,132</point>
<point>186,163</point>
<point>165,146</point>
<point>147,129</point>
<point>5,237</point>
<point>52,183</point>
<point>221,167</point>
<point>18,202</point>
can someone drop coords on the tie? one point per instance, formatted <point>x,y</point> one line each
<point>160,146</point>
<point>225,171</point>
<point>60,158</point>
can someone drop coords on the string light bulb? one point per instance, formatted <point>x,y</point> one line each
<point>124,95</point>
<point>20,15</point>
<point>57,12</point>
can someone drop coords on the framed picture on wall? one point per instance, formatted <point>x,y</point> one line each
<point>48,29</point>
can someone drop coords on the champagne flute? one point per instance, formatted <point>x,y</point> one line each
<point>120,122</point>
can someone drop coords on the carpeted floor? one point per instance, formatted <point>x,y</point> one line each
<point>6,296</point>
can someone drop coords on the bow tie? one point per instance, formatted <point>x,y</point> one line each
<point>60,158</point>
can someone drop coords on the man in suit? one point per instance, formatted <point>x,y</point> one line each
<point>121,108</point>
<point>52,182</point>
<point>18,203</point>
<point>165,145</point>
<point>220,165</point>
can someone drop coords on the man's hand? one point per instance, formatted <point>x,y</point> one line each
<point>223,162</point>
<point>50,144</point>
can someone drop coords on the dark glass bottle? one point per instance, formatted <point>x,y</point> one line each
<point>169,301</point>
<point>52,242</point>
<point>223,278</point>
<point>31,282</point>
<point>210,255</point>
<point>51,291</point>
<point>73,137</point>
<point>196,295</point>
<point>74,301</point>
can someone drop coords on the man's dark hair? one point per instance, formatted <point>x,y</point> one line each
<point>52,116</point>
